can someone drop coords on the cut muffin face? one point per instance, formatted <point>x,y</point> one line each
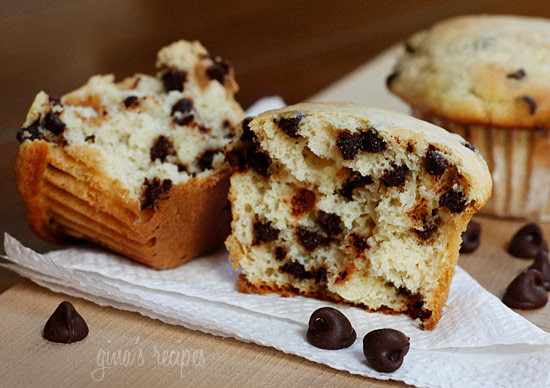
<point>128,164</point>
<point>352,204</point>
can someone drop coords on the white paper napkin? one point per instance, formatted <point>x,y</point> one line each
<point>477,343</point>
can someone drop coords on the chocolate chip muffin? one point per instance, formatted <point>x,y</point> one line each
<point>486,78</point>
<point>136,166</point>
<point>352,204</point>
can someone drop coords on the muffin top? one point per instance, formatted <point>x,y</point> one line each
<point>489,70</point>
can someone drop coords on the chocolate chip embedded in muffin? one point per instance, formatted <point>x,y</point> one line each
<point>206,159</point>
<point>54,101</point>
<point>454,201</point>
<point>310,240</point>
<point>264,232</point>
<point>526,291</point>
<point>174,80</point>
<point>330,223</point>
<point>30,132</point>
<point>348,144</point>
<point>183,105</point>
<point>218,70</point>
<point>530,103</point>
<point>302,202</point>
<point>358,243</point>
<point>470,146</point>
<point>280,253</point>
<point>90,139</point>
<point>162,147</point>
<point>385,349</point>
<point>154,191</point>
<point>53,123</point>
<point>435,163</point>
<point>259,162</point>
<point>354,181</point>
<point>396,176</point>
<point>290,125</point>
<point>527,241</point>
<point>65,325</point>
<point>131,101</point>
<point>518,74</point>
<point>371,141</point>
<point>330,329</point>
<point>410,147</point>
<point>428,229</point>
<point>296,269</point>
<point>247,134</point>
<point>471,237</point>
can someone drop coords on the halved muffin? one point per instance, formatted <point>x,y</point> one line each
<point>352,204</point>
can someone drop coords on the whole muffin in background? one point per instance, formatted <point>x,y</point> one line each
<point>487,78</point>
<point>137,165</point>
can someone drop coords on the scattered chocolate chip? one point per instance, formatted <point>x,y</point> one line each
<point>90,139</point>
<point>471,237</point>
<point>162,147</point>
<point>154,191</point>
<point>330,223</point>
<point>320,275</point>
<point>330,329</point>
<point>184,105</point>
<point>297,270</point>
<point>428,229</point>
<point>206,159</point>
<point>385,349</point>
<point>174,80</point>
<point>131,101</point>
<point>453,200</point>
<point>470,146</point>
<point>395,177</point>
<point>264,232</point>
<point>309,239</point>
<point>280,253</point>
<point>435,164</point>
<point>185,120</point>
<point>542,265</point>
<point>530,103</point>
<point>65,325</point>
<point>290,125</point>
<point>358,242</point>
<point>302,202</point>
<point>247,135</point>
<point>372,142</point>
<point>526,291</point>
<point>348,144</point>
<point>53,123</point>
<point>32,132</point>
<point>410,147</point>
<point>527,242</point>
<point>218,70</point>
<point>415,305</point>
<point>519,74</point>
<point>54,101</point>
<point>391,78</point>
<point>259,162</point>
<point>355,181</point>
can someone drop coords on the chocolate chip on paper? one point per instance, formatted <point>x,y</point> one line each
<point>330,329</point>
<point>385,349</point>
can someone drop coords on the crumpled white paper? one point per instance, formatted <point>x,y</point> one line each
<point>478,343</point>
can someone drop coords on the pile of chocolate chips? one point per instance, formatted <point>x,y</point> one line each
<point>384,349</point>
<point>528,290</point>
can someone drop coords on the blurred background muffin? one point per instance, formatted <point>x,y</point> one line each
<point>487,78</point>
